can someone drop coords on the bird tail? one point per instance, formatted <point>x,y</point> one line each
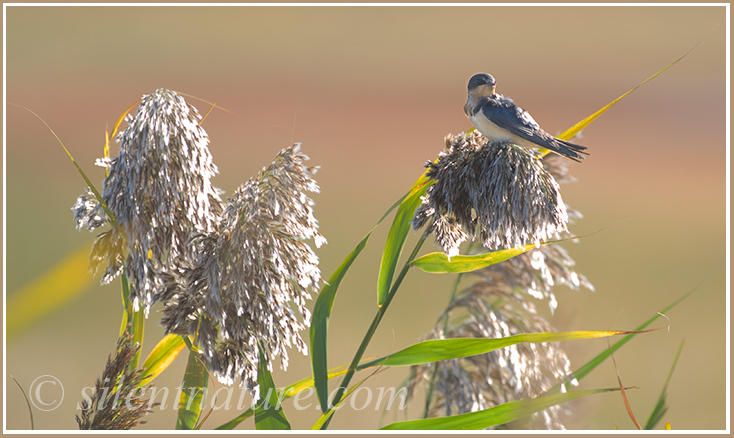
<point>570,150</point>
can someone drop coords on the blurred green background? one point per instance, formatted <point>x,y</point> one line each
<point>371,92</point>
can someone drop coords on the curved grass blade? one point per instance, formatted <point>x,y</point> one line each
<point>65,281</point>
<point>625,399</point>
<point>495,416</point>
<point>193,393</point>
<point>207,113</point>
<point>397,236</point>
<point>660,407</point>
<point>81,172</point>
<point>118,123</point>
<point>109,137</point>
<point>323,421</point>
<point>213,104</point>
<point>320,324</point>
<point>269,414</point>
<point>163,355</point>
<point>424,353</point>
<point>27,402</point>
<point>575,129</point>
<point>585,369</point>
<point>330,412</point>
<point>442,349</point>
<point>322,312</point>
<point>439,263</point>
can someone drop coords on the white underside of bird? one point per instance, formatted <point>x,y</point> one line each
<point>496,134</point>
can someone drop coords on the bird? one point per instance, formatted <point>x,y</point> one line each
<point>499,119</point>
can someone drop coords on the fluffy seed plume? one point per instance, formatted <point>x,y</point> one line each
<point>243,275</point>
<point>480,382</point>
<point>88,212</point>
<point>115,403</point>
<point>159,190</point>
<point>497,191</point>
<point>535,273</point>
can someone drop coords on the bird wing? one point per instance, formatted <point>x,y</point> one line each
<point>505,114</point>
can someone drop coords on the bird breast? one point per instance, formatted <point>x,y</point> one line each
<point>490,130</point>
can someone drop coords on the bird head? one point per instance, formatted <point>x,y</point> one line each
<point>482,84</point>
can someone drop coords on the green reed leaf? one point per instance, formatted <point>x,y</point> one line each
<point>322,311</point>
<point>585,369</point>
<point>397,236</point>
<point>196,379</point>
<point>661,407</point>
<point>442,349</point>
<point>575,129</point>
<point>494,416</point>
<point>439,263</point>
<point>163,355</point>
<point>269,414</point>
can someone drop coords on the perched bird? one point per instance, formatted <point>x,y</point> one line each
<point>499,119</point>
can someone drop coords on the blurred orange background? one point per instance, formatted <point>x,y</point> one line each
<point>371,92</point>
